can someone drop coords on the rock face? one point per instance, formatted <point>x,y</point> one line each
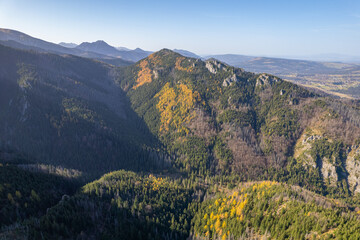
<point>303,149</point>
<point>266,80</point>
<point>214,66</point>
<point>155,74</point>
<point>328,171</point>
<point>303,154</point>
<point>312,138</point>
<point>353,169</point>
<point>229,80</point>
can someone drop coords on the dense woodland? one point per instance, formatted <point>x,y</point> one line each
<point>188,148</point>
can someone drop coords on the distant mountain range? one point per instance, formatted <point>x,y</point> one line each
<point>98,47</point>
<point>68,45</point>
<point>8,37</point>
<point>98,50</point>
<point>102,47</point>
<point>73,45</point>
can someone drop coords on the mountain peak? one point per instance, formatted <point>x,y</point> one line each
<point>97,43</point>
<point>166,55</point>
<point>100,46</point>
<point>101,42</point>
<point>165,51</point>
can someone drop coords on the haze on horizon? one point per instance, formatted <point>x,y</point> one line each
<point>259,27</point>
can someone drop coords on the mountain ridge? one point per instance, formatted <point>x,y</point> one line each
<point>8,34</point>
<point>214,151</point>
<point>20,40</point>
<point>99,46</point>
<point>102,47</point>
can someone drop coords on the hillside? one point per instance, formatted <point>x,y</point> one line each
<point>67,111</point>
<point>243,123</point>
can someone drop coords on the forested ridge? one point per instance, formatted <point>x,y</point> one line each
<point>189,148</point>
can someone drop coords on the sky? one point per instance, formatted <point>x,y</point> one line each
<point>250,27</point>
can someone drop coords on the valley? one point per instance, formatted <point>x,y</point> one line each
<point>173,147</point>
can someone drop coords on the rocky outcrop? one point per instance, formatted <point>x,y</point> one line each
<point>266,80</point>
<point>353,169</point>
<point>230,80</point>
<point>214,66</point>
<point>328,171</point>
<point>155,74</point>
<point>303,154</point>
<point>311,138</point>
<point>303,149</point>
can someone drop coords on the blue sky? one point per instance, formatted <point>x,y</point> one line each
<point>252,27</point>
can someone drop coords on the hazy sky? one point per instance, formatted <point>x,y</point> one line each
<point>253,27</point>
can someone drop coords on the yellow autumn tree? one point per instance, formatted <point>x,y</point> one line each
<point>176,106</point>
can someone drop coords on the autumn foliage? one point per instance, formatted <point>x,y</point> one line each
<point>144,75</point>
<point>226,210</point>
<point>176,106</point>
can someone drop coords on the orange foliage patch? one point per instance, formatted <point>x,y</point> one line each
<point>155,59</point>
<point>144,75</point>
